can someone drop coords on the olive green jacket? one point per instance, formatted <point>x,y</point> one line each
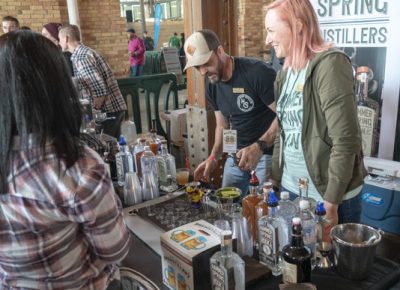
<point>331,135</point>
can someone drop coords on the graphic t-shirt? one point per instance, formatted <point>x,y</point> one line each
<point>245,98</point>
<point>290,114</point>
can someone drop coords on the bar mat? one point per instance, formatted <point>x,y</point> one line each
<point>178,211</point>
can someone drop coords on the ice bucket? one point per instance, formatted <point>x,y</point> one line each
<point>355,246</point>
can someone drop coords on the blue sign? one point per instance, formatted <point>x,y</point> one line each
<point>157,18</point>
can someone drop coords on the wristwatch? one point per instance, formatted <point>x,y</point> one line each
<point>262,145</point>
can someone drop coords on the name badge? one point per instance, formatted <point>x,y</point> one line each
<point>238,90</point>
<point>229,141</point>
<point>299,88</point>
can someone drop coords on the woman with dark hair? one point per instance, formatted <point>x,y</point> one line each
<point>61,225</point>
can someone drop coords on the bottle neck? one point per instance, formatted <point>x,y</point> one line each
<point>272,211</point>
<point>297,237</point>
<point>253,190</point>
<point>226,248</point>
<point>362,87</point>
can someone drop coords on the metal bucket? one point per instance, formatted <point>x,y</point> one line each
<point>355,246</point>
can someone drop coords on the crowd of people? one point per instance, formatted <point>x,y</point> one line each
<point>61,223</point>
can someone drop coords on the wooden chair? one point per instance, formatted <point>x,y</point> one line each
<point>151,84</point>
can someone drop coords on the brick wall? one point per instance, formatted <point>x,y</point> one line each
<point>35,13</point>
<point>104,30</point>
<point>251,30</point>
<point>102,27</point>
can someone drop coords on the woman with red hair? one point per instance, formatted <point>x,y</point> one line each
<point>319,136</point>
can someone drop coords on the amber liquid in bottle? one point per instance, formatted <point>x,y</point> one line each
<point>296,257</point>
<point>250,204</point>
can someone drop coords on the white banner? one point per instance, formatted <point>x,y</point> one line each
<point>368,31</point>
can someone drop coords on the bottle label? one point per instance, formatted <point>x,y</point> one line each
<point>289,272</point>
<point>366,118</point>
<point>268,242</point>
<point>219,277</point>
<point>162,170</point>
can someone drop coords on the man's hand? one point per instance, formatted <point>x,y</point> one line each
<point>205,168</point>
<point>249,157</point>
<point>98,102</point>
<point>331,212</point>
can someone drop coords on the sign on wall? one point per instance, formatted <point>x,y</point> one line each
<point>368,31</point>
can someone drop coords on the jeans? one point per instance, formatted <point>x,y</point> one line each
<point>136,70</point>
<point>349,210</point>
<point>235,177</point>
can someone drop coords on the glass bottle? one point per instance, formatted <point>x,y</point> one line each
<point>124,161</point>
<point>166,169</point>
<point>367,111</point>
<point>149,174</point>
<point>249,205</point>
<point>296,264</point>
<point>303,193</point>
<point>272,236</point>
<point>137,154</point>
<point>262,207</point>
<point>226,267</point>
<point>309,226</point>
<point>128,129</point>
<point>287,210</point>
<point>155,144</point>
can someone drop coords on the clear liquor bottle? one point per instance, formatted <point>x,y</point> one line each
<point>303,193</point>
<point>226,267</point>
<point>296,266</point>
<point>367,111</point>
<point>149,174</point>
<point>166,169</point>
<point>309,228</point>
<point>124,161</point>
<point>272,236</point>
<point>249,205</point>
<point>287,210</point>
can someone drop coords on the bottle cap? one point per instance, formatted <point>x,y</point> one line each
<point>296,221</point>
<point>254,180</point>
<point>320,209</point>
<point>304,204</point>
<point>122,140</point>
<point>285,195</point>
<point>272,200</point>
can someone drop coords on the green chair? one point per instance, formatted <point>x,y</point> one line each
<point>152,85</point>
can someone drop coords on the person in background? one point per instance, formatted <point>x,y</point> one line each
<point>61,224</point>
<point>148,42</point>
<point>50,31</point>
<point>319,135</point>
<point>182,55</point>
<point>174,41</point>
<point>136,51</point>
<point>95,80</point>
<point>241,92</point>
<point>10,24</point>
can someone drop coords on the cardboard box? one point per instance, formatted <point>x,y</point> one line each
<point>186,253</point>
<point>178,125</point>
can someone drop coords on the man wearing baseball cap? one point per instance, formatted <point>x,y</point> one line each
<point>241,92</point>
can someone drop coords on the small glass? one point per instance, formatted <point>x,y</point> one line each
<point>182,176</point>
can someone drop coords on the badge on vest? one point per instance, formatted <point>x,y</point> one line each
<point>238,90</point>
<point>229,144</point>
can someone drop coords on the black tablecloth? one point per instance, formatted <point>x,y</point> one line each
<point>385,274</point>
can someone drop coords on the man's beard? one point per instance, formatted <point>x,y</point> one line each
<point>218,74</point>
